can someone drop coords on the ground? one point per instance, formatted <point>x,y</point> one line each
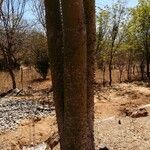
<point>113,127</point>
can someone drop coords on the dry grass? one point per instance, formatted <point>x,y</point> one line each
<point>30,79</point>
<point>115,76</point>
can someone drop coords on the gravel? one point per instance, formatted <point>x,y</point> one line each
<point>131,134</point>
<point>13,111</point>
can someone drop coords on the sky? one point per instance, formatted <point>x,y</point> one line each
<point>102,3</point>
<point>99,3</point>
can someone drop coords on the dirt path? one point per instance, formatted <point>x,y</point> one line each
<point>28,133</point>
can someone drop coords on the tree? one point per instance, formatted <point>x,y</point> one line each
<point>75,80</point>
<point>141,18</point>
<point>55,45</point>
<point>120,61</point>
<point>38,52</point>
<point>11,23</point>
<point>102,39</point>
<point>111,21</point>
<point>38,9</point>
<point>68,54</point>
<point>89,9</point>
<point>118,11</point>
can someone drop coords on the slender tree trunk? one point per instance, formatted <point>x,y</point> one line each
<point>133,69</point>
<point>129,68</point>
<point>8,61</point>
<point>12,75</point>
<point>55,45</point>
<point>142,69</point>
<point>110,72</point>
<point>111,61</point>
<point>137,70</point>
<point>10,70</point>
<point>104,80</point>
<point>147,67</point>
<point>120,75</point>
<point>89,10</point>
<point>75,77</point>
<point>146,46</point>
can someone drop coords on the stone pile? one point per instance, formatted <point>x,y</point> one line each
<point>13,111</point>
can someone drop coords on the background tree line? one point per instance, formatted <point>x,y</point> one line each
<point>123,40</point>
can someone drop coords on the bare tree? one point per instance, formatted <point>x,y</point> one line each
<point>38,9</point>
<point>11,23</point>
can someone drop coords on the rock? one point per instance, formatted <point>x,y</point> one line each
<point>127,111</point>
<point>119,122</point>
<point>103,147</point>
<point>142,112</point>
<point>24,122</point>
<point>136,113</point>
<point>13,111</point>
<point>41,146</point>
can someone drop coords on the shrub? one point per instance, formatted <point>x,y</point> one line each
<point>42,64</point>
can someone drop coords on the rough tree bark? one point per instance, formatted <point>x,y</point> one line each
<point>75,78</point>
<point>89,10</point>
<point>55,44</point>
<point>69,53</point>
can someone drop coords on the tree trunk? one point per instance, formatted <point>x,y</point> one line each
<point>133,69</point>
<point>69,70</point>
<point>12,75</point>
<point>120,75</point>
<point>110,72</point>
<point>75,77</point>
<point>142,68</point>
<point>129,68</point>
<point>147,67</point>
<point>89,10</point>
<point>111,61</point>
<point>104,70</point>
<point>8,61</point>
<point>55,45</point>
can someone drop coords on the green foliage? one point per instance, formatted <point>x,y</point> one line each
<point>141,20</point>
<point>41,64</point>
<point>111,25</point>
<point>38,53</point>
<point>123,36</point>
